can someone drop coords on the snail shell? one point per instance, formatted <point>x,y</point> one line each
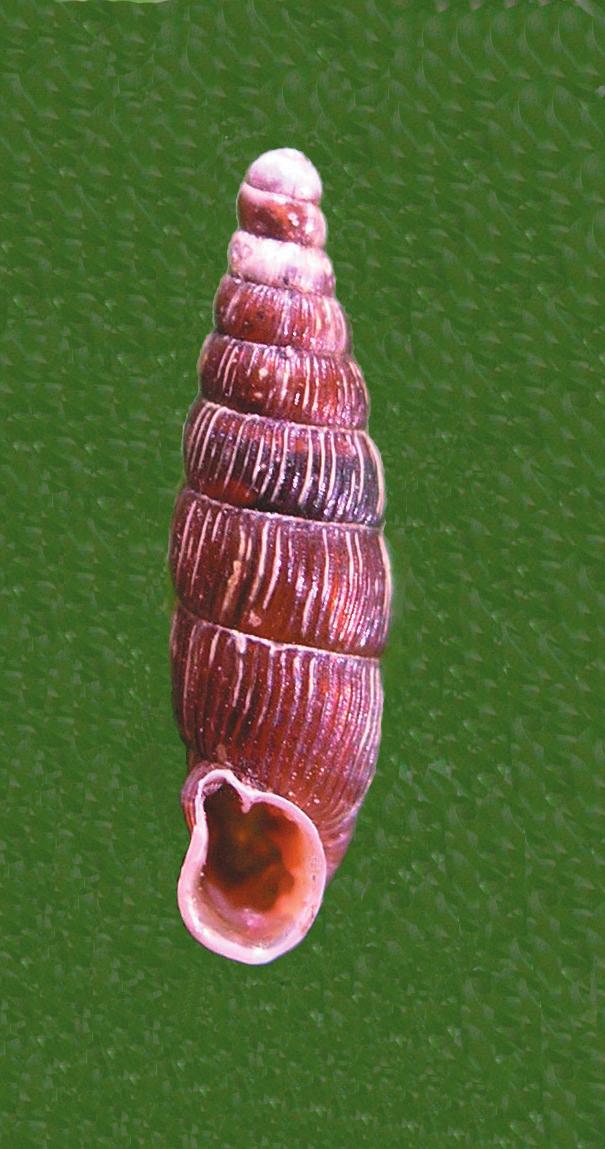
<point>282,579</point>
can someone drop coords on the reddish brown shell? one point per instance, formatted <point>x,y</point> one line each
<point>282,578</point>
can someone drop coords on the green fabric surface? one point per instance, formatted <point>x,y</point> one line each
<point>450,993</point>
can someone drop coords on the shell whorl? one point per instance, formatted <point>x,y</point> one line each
<point>282,578</point>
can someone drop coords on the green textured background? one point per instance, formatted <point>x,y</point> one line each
<point>449,993</point>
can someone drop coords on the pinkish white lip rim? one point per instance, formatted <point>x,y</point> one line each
<point>191,906</point>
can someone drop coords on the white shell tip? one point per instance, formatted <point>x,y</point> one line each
<point>286,171</point>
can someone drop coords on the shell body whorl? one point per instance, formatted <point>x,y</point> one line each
<point>282,579</point>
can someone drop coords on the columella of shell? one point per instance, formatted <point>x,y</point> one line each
<point>282,581</point>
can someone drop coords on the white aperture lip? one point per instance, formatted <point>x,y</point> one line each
<point>254,874</point>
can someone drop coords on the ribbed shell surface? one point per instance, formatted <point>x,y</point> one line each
<point>276,553</point>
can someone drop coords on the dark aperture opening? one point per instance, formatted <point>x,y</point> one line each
<point>248,853</point>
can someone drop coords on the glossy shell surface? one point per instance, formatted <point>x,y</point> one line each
<point>282,580</point>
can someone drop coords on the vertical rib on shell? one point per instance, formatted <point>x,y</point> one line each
<point>283,582</point>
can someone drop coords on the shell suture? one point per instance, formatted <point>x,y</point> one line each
<point>282,580</point>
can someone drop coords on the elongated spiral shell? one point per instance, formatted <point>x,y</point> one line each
<point>282,580</point>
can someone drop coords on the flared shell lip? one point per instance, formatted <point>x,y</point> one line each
<point>195,859</point>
